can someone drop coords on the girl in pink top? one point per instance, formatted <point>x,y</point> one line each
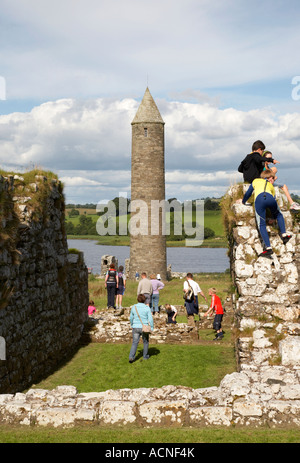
<point>91,308</point>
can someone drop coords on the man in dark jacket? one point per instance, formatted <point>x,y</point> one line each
<point>252,166</point>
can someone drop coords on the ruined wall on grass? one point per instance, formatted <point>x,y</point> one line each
<point>43,288</point>
<point>268,306</point>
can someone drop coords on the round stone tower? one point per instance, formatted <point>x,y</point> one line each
<point>147,240</point>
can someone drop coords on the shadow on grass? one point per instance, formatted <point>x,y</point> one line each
<point>152,351</point>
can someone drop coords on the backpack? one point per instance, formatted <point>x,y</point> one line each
<point>112,276</point>
<point>121,281</point>
<point>189,294</point>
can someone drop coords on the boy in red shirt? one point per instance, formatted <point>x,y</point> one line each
<point>216,306</point>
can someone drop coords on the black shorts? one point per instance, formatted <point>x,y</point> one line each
<point>217,321</point>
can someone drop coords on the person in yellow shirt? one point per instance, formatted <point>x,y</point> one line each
<point>264,198</point>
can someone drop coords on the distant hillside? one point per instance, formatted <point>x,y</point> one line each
<point>81,223</point>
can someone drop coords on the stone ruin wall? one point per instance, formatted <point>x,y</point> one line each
<point>267,310</point>
<point>43,288</point>
<point>265,389</point>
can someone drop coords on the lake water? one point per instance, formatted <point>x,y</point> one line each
<point>194,260</point>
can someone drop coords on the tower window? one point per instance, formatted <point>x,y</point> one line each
<point>145,132</point>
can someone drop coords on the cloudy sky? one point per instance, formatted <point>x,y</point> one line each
<point>223,74</point>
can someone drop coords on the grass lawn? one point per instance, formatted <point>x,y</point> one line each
<point>139,436</point>
<point>99,367</point>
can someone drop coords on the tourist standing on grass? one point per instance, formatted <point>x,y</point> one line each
<point>190,303</point>
<point>111,284</point>
<point>145,288</point>
<point>140,315</point>
<point>121,287</point>
<point>157,285</point>
<point>216,306</point>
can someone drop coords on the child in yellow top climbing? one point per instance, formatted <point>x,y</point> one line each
<point>264,197</point>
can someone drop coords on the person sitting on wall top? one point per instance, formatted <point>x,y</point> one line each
<point>253,164</point>
<point>294,207</point>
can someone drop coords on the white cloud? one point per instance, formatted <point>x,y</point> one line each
<point>87,134</point>
<point>79,182</point>
<point>220,73</point>
<point>88,144</point>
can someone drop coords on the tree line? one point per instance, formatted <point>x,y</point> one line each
<point>87,226</point>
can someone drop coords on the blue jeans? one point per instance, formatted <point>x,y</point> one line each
<point>154,302</point>
<point>262,202</point>
<point>136,334</point>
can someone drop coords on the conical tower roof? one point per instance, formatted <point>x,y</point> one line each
<point>148,111</point>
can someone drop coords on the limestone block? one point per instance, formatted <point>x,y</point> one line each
<point>292,273</point>
<point>260,342</point>
<point>243,270</point>
<point>263,267</point>
<point>289,350</point>
<point>55,416</point>
<point>262,356</point>
<point>274,375</point>
<point>289,328</point>
<point>235,384</point>
<point>246,289</point>
<point>284,412</point>
<point>164,412</point>
<point>213,416</point>
<point>286,258</point>
<point>16,410</point>
<point>242,234</point>
<point>251,281</point>
<point>286,313</point>
<point>117,412</point>
<point>240,210</point>
<point>286,288</point>
<point>258,247</point>
<point>288,220</point>
<point>248,323</point>
<point>291,392</point>
<point>244,250</point>
<point>247,408</point>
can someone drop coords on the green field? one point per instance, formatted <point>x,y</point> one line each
<point>212,220</point>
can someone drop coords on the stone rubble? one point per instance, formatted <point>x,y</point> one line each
<point>113,326</point>
<point>268,397</point>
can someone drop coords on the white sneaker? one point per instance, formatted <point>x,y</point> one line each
<point>295,207</point>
